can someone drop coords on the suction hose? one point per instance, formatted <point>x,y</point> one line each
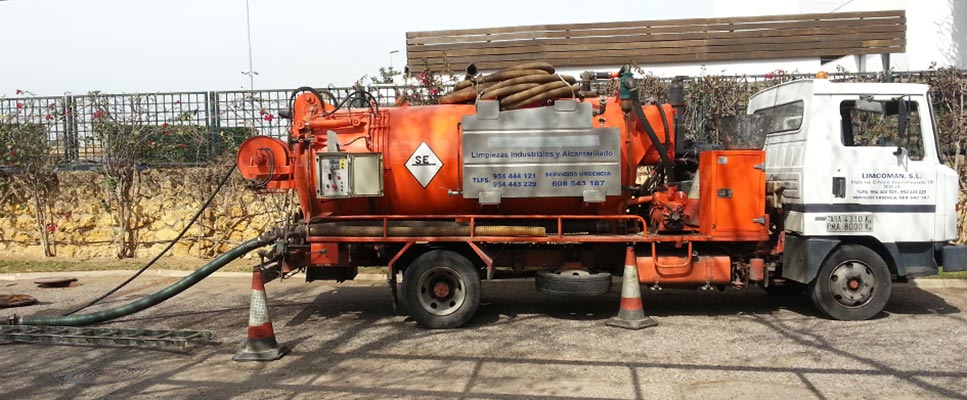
<point>171,244</point>
<point>515,87</point>
<point>153,299</point>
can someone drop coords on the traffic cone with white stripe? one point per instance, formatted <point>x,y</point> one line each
<point>631,314</point>
<point>261,344</point>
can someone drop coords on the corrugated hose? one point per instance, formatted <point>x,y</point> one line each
<point>515,87</point>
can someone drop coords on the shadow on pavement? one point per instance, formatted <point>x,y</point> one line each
<point>324,368</point>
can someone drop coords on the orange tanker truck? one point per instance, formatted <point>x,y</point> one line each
<point>544,183</point>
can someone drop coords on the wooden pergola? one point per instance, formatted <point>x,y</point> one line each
<point>825,35</point>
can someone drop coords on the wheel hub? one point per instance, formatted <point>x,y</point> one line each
<point>852,283</point>
<point>442,291</point>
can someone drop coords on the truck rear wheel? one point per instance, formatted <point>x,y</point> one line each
<point>853,284</point>
<point>441,290</point>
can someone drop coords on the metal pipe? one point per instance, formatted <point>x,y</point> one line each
<point>676,96</point>
<point>150,300</point>
<point>248,29</point>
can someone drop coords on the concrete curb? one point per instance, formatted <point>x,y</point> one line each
<point>939,283</point>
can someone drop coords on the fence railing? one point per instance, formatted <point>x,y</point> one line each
<point>69,120</point>
<point>226,116</point>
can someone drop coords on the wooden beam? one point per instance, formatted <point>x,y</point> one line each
<point>643,60</point>
<point>822,48</point>
<point>652,45</point>
<point>631,24</point>
<point>897,31</point>
<point>650,30</point>
<point>669,41</point>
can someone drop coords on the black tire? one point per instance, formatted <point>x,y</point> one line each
<point>563,283</point>
<point>853,284</point>
<point>441,290</point>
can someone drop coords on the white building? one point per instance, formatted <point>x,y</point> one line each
<point>748,37</point>
<point>936,33</point>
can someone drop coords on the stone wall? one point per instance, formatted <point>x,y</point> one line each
<point>85,227</point>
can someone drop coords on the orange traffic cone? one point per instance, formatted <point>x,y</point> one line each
<point>631,314</point>
<point>261,344</point>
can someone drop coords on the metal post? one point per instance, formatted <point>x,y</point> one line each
<point>251,70</point>
<point>72,145</point>
<point>214,121</point>
<point>887,73</point>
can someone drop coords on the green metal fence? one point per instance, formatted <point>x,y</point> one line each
<point>198,126</point>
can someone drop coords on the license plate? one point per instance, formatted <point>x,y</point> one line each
<point>849,223</point>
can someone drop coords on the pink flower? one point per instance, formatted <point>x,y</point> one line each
<point>268,117</point>
<point>99,114</point>
<point>20,106</point>
<point>51,227</point>
<point>150,143</point>
<point>13,152</point>
<point>262,112</point>
<point>48,117</point>
<point>434,91</point>
<point>20,91</point>
<point>164,125</point>
<point>167,133</point>
<point>770,75</point>
<point>52,105</point>
<point>182,145</point>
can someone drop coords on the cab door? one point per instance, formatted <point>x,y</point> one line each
<point>883,181</point>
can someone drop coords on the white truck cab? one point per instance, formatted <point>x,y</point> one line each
<point>864,194</point>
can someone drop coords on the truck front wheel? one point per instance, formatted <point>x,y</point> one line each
<point>853,284</point>
<point>441,290</point>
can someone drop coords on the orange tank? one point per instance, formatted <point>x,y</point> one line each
<point>398,132</point>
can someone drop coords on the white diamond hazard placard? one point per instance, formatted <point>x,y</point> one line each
<point>424,164</point>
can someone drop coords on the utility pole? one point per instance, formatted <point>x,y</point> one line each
<point>251,70</point>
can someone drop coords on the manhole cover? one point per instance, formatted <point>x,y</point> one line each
<point>100,375</point>
<point>16,300</point>
<point>59,281</point>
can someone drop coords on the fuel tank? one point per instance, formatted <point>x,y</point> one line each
<point>570,158</point>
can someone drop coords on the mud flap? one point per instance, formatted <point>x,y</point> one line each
<point>802,257</point>
<point>954,258</point>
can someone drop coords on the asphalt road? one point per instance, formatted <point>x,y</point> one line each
<point>348,344</point>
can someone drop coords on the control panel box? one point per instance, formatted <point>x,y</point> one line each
<point>732,193</point>
<point>345,175</point>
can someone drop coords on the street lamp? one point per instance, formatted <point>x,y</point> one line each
<point>251,71</point>
<point>391,57</point>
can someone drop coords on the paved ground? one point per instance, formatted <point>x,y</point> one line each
<point>348,344</point>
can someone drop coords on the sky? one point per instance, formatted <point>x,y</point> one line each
<point>51,47</point>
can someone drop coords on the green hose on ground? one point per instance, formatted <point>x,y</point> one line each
<point>153,299</point>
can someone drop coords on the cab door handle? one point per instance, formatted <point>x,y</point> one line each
<point>839,186</point>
